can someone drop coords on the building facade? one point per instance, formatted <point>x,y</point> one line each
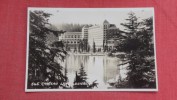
<point>71,40</point>
<point>95,35</point>
<point>85,32</point>
<point>103,37</point>
<point>111,35</point>
<point>106,25</point>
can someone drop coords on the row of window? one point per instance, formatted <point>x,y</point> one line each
<point>85,31</point>
<point>72,36</point>
<point>72,42</point>
<point>105,26</point>
<point>78,36</point>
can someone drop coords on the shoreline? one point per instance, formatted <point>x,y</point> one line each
<point>89,54</point>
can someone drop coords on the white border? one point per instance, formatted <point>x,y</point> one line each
<point>27,50</point>
<point>76,90</point>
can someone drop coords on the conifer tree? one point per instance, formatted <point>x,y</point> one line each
<point>41,55</point>
<point>94,47</point>
<point>82,73</point>
<point>138,45</point>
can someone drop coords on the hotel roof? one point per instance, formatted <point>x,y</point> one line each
<point>86,26</point>
<point>105,21</point>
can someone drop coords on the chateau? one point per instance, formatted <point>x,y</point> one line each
<point>105,37</point>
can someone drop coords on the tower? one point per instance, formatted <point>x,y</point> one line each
<point>105,27</point>
<point>85,32</point>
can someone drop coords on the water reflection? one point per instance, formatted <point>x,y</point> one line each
<point>100,68</point>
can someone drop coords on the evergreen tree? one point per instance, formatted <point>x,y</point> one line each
<point>94,47</point>
<point>138,45</point>
<point>75,48</point>
<point>66,74</point>
<point>88,49</point>
<point>82,73</point>
<point>85,45</point>
<point>81,46</point>
<point>42,56</point>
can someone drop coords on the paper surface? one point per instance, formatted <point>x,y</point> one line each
<point>91,49</point>
<point>13,16</point>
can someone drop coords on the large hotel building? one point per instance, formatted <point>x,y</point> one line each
<point>104,36</point>
<point>95,34</point>
<point>71,39</point>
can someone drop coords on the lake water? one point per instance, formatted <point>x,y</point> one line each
<point>100,68</point>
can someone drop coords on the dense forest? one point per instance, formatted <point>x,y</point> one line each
<point>70,27</point>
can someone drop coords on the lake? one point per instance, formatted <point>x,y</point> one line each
<point>100,68</point>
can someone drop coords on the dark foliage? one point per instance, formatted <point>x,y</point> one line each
<point>82,73</point>
<point>94,47</point>
<point>81,79</point>
<point>138,45</point>
<point>42,64</point>
<point>72,27</point>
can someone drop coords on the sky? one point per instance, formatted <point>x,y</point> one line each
<point>94,15</point>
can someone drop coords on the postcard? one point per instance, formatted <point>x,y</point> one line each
<point>91,49</point>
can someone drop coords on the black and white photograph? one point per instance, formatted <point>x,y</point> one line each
<point>91,49</point>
